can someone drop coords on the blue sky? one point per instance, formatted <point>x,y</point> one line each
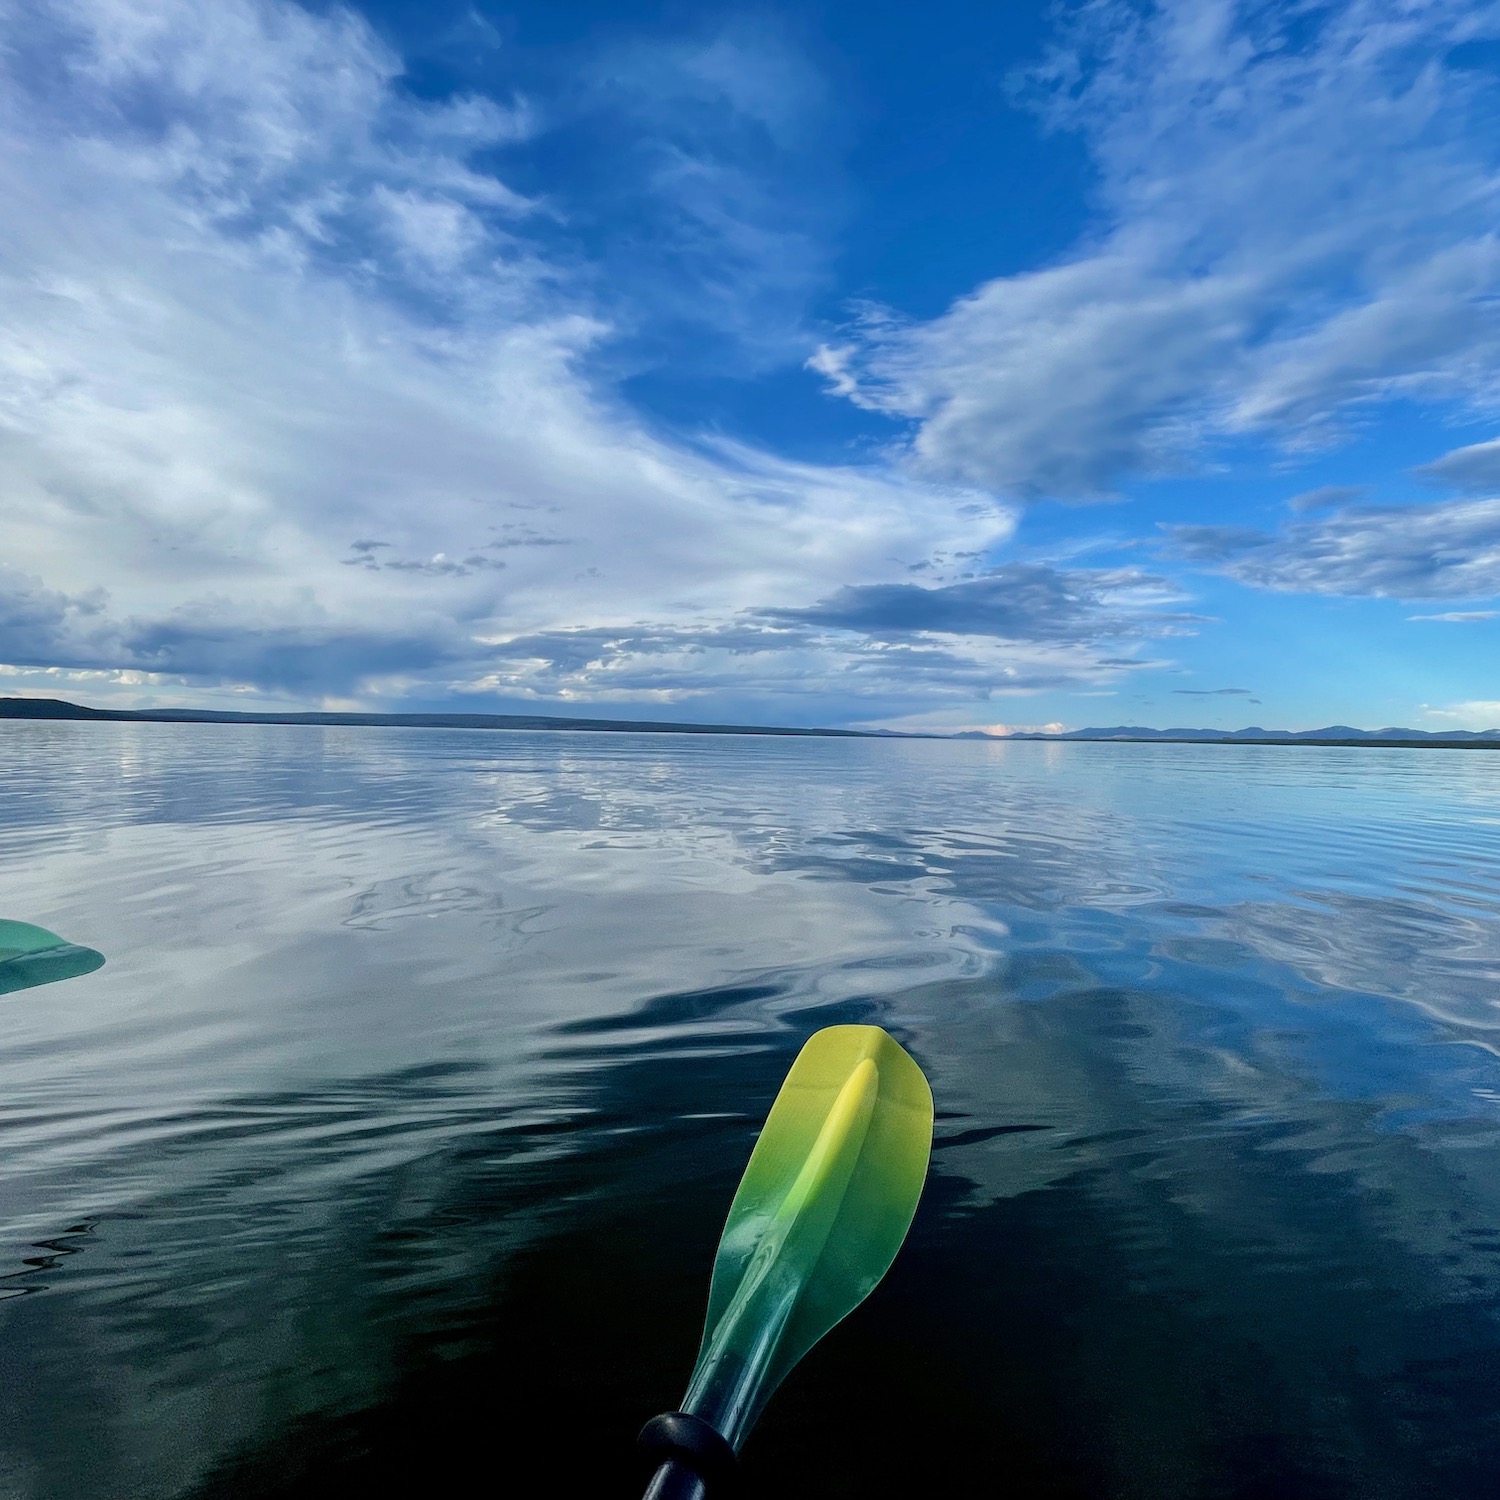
<point>936,367</point>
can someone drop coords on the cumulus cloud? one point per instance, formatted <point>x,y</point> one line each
<point>1296,218</point>
<point>258,299</point>
<point>1442,551</point>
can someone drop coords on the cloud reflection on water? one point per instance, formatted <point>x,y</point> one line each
<point>404,1121</point>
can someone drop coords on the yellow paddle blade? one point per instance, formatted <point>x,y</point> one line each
<point>823,1207</point>
<point>32,955</point>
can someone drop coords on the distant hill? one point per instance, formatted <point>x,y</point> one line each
<point>57,708</point>
<point>51,708</point>
<point>1334,734</point>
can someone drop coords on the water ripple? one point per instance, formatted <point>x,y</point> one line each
<point>402,1120</point>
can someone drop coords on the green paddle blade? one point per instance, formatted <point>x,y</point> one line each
<point>824,1205</point>
<point>32,955</point>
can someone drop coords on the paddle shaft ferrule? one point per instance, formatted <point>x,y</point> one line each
<point>695,1461</point>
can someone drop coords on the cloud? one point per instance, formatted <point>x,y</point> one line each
<point>1019,601</point>
<point>780,677</point>
<point>1473,470</point>
<point>1215,693</point>
<point>1326,497</point>
<point>259,298</point>
<point>1476,714</point>
<point>209,642</point>
<point>1461,616</point>
<point>304,657</point>
<point>42,627</point>
<point>439,565</point>
<point>717,154</point>
<point>1444,551</point>
<point>871,653</point>
<point>1296,213</point>
<point>1002,731</point>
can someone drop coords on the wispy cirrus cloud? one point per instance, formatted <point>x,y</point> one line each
<point>721,148</point>
<point>1296,216</point>
<point>1461,616</point>
<point>1447,550</point>
<point>1474,469</point>
<point>1325,497</point>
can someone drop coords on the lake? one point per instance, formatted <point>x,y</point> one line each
<point>392,1143</point>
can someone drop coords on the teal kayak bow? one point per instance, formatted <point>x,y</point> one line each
<point>32,955</point>
<point>822,1209</point>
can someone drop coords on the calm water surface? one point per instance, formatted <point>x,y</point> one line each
<point>391,1146</point>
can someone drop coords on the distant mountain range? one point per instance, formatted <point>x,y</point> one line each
<point>1335,734</point>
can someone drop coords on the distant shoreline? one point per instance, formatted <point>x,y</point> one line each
<point>52,710</point>
<point>1290,744</point>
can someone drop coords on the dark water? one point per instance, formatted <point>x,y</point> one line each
<point>388,1152</point>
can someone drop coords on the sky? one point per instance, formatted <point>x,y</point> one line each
<point>931,368</point>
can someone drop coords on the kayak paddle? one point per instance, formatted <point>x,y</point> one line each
<point>822,1209</point>
<point>32,955</point>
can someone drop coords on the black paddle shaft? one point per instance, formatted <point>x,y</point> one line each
<point>675,1481</point>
